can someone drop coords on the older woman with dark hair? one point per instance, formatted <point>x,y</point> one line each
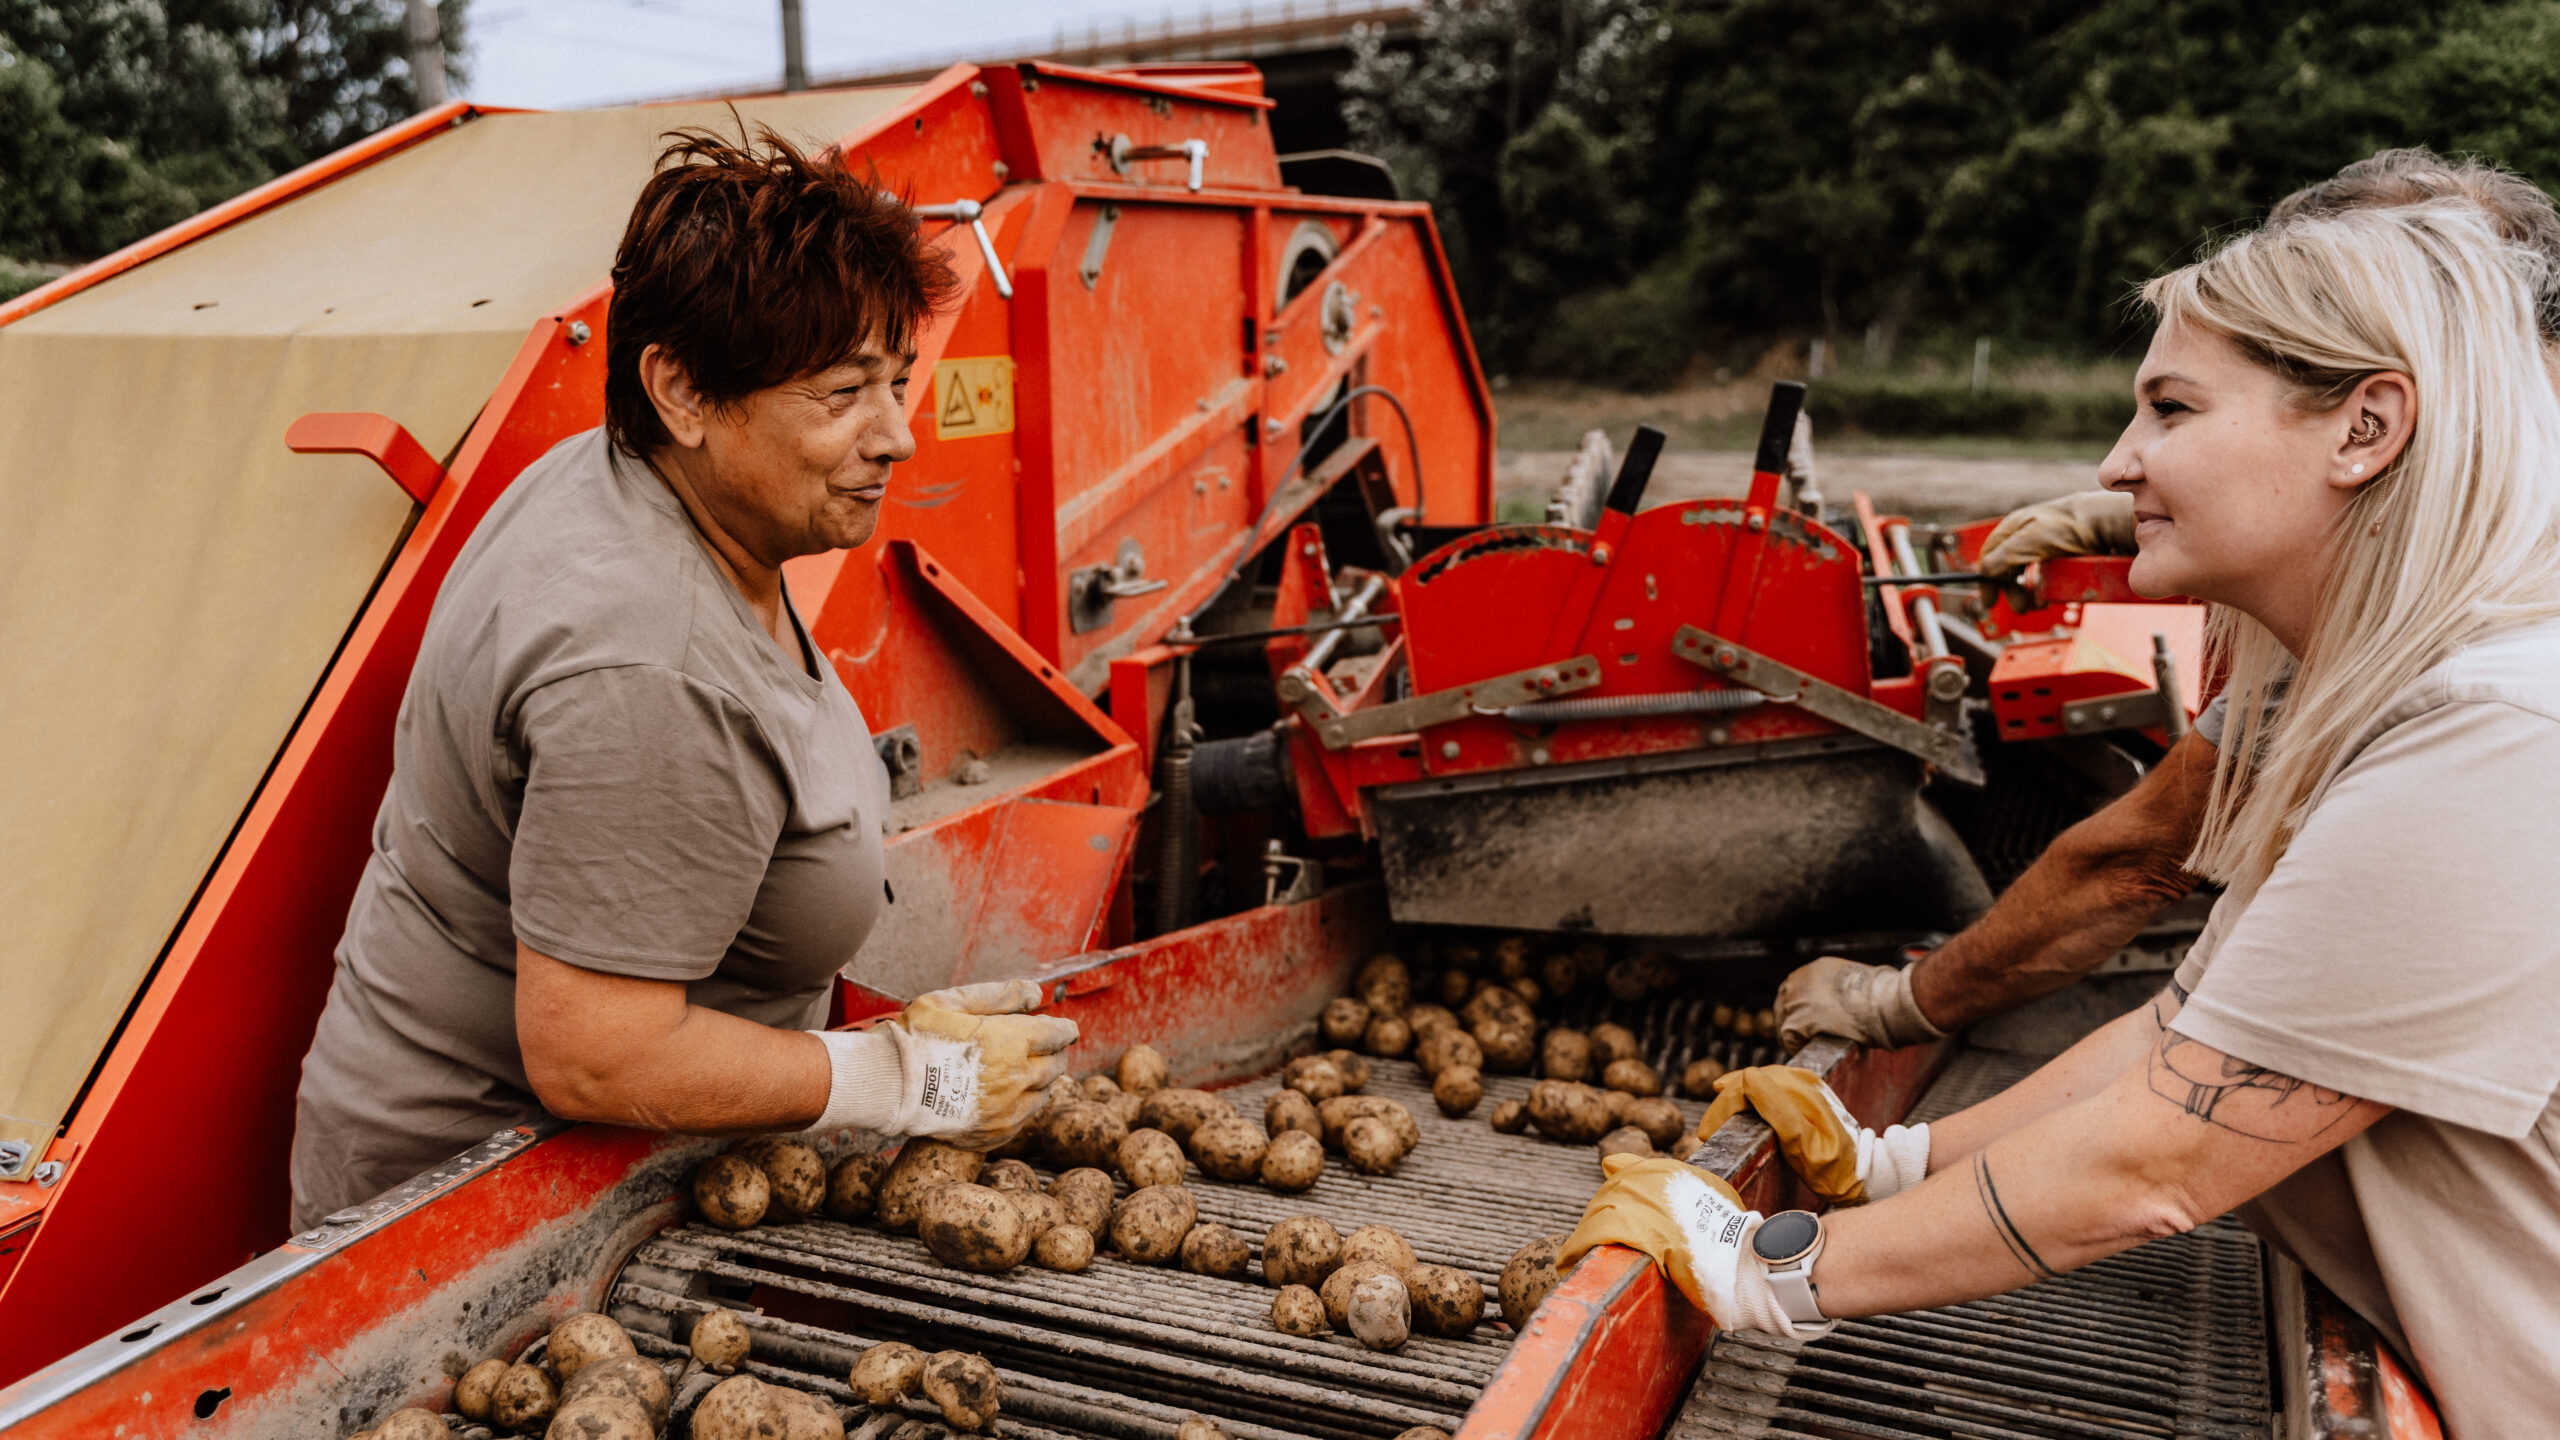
<point>633,826</point>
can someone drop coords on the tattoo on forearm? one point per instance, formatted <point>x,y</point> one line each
<point>2240,1097</point>
<point>2178,993</point>
<point>2000,1221</point>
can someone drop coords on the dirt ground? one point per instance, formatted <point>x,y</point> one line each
<point>1930,487</point>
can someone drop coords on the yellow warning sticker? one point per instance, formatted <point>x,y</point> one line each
<point>973,396</point>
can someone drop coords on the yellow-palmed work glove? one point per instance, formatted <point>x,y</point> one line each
<point>1694,1227</point>
<point>2089,522</point>
<point>965,1065</point>
<point>1844,1162</point>
<point>1870,1004</point>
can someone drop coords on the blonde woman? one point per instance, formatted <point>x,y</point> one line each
<point>2347,442</point>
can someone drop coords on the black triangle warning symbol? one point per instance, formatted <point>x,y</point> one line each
<point>956,412</point>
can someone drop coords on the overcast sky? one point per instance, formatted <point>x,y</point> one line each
<point>553,54</point>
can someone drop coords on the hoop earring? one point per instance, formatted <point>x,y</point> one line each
<point>2368,429</point>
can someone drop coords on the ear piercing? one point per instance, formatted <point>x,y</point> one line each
<point>2358,470</point>
<point>2368,429</point>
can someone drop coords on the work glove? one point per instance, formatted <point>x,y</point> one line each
<point>1694,1227</point>
<point>2088,522</point>
<point>1844,1162</point>
<point>1870,1004</point>
<point>967,1065</point>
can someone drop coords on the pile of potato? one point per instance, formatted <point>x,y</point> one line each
<point>1368,1285</point>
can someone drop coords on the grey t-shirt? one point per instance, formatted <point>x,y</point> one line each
<point>604,754</point>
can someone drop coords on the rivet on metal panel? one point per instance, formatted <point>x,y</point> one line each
<point>1601,554</point>
<point>1273,428</point>
<point>1539,756</point>
<point>1448,749</point>
<point>978,89</point>
<point>1719,735</point>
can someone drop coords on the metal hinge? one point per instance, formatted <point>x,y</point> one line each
<point>1943,748</point>
<point>1339,730</point>
<point>1092,589</point>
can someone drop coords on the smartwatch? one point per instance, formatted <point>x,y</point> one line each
<point>1788,1243</point>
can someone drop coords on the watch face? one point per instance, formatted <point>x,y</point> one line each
<point>1786,1236</point>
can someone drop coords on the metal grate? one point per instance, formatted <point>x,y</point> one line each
<point>2165,1340</point>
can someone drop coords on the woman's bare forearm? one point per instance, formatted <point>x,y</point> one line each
<point>2084,1070</point>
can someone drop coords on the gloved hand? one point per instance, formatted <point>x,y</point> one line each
<point>2089,522</point>
<point>1844,1162</point>
<point>1870,1004</point>
<point>1694,1227</point>
<point>965,1065</point>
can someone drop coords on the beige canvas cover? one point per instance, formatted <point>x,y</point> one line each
<point>173,581</point>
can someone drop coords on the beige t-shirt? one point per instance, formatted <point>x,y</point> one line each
<point>2407,950</point>
<point>601,752</point>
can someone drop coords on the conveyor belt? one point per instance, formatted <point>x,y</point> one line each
<point>2167,1339</point>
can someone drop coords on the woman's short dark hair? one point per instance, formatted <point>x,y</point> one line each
<point>752,263</point>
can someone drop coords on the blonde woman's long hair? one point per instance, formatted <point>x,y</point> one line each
<point>2458,536</point>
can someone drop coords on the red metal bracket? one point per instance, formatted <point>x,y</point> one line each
<point>380,438</point>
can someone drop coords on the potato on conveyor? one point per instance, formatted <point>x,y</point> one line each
<point>1128,1107</point>
<point>1372,1145</point>
<point>1698,1082</point>
<point>1511,1117</point>
<point>1179,1112</point>
<point>1294,1161</point>
<point>1344,1021</point>
<point>1508,1047</point>
<point>1745,1025</point>
<point>1065,1248</point>
<point>966,1388</point>
<point>1626,1140</point>
<point>1040,1214</point>
<point>1423,1432</point>
<point>1379,1243</point>
<point>477,1390</point>
<point>793,1173</point>
<point>1559,974</point>
<point>886,1373</point>
<point>1199,1427</point>
<point>720,1341</point>
<point>1387,1037</point>
<point>1086,1133</point>
<point>1230,1149</point>
<point>1288,1110</point>
<point>1296,1310</point>
<point>1633,1077</point>
<point>1301,1250</point>
<point>580,1340</point>
<point>1337,1287</point>
<point>921,1166</point>
<point>731,1191</point>
<point>1085,1194</point>
<point>1766,1021</point>
<point>1612,1041</point>
<point>1495,1002</point>
<point>1721,1017</point>
<point>1314,1077</point>
<point>1009,1175</point>
<point>805,1416</point>
<point>589,1417</point>
<point>853,1187</point>
<point>1216,1251</point>
<point>1447,1301</point>
<point>1354,1068</point>
<point>1527,1279</point>
<point>1574,1114</point>
<point>1658,1118</point>
<point>1381,1313</point>
<point>971,1227</point>
<point>1457,1090</point>
<point>635,1379</point>
<point>1444,1046</point>
<point>1511,957</point>
<point>1617,1101</point>
<point>1150,1157</point>
<point>1565,1055</point>
<point>1098,1087</point>
<point>524,1399</point>
<point>1528,989</point>
<point>1148,1226</point>
<point>1143,1070</point>
<point>738,1408</point>
<point>1426,1018</point>
<point>1455,986</point>
<point>416,1424</point>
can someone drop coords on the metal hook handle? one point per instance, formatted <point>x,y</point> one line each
<point>1196,152</point>
<point>971,213</point>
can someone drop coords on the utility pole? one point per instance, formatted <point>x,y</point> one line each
<point>795,58</point>
<point>426,53</point>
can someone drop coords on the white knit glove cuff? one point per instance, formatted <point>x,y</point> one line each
<point>890,1081</point>
<point>1894,1161</point>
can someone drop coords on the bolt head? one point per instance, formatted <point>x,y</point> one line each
<point>1727,657</point>
<point>1448,749</point>
<point>580,333</point>
<point>1539,756</point>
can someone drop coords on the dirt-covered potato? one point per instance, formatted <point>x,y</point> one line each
<point>1626,1140</point>
<point>1344,1021</point>
<point>1354,1067</point>
<point>1179,1112</point>
<point>1658,1118</point>
<point>1574,1114</point>
<point>1087,1133</point>
<point>1617,1101</point>
<point>416,1424</point>
<point>720,1341</point>
<point>738,1408</point>
<point>629,1376</point>
<point>1511,1117</point>
<point>1444,1046</point>
<point>793,1173</point>
<point>1528,1277</point>
<point>1721,1017</point>
<point>1098,1087</point>
<point>1143,1070</point>
<point>1698,1082</point>
<point>1611,1041</point>
<point>971,1227</point>
<point>1199,1427</point>
<point>1301,1250</point>
<point>1085,1194</point>
<point>1337,1287</point>
<point>920,1167</point>
<point>1387,1037</point>
<point>1230,1149</point>
<point>580,1340</point>
<point>805,1416</point>
<point>886,1373</point>
<point>1765,1020</point>
<point>1633,1077</point>
<point>1288,1110</point>
<point>1314,1077</point>
<point>524,1399</point>
<point>1497,1003</point>
<point>731,1191</point>
<point>589,1417</point>
<point>1040,1214</point>
<point>1148,1226</point>
<point>1381,1313</point>
<point>1128,1107</point>
<point>1009,1175</point>
<point>1379,1243</point>
<point>1528,989</point>
<point>1150,1157</point>
<point>1408,1132</point>
<point>1512,956</point>
<point>1745,1025</point>
<point>1293,1161</point>
<point>853,1186</point>
<point>1508,1048</point>
<point>1385,983</point>
<point>1296,1310</point>
<point>1457,1090</point>
<point>1337,1113</point>
<point>1565,1055</point>
<point>966,1388</point>
<point>1067,1248</point>
<point>477,1390</point>
<point>1426,1018</point>
<point>1447,1301</point>
<point>1217,1251</point>
<point>1559,974</point>
<point>1372,1145</point>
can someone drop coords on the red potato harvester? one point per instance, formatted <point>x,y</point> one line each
<point>1185,405</point>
